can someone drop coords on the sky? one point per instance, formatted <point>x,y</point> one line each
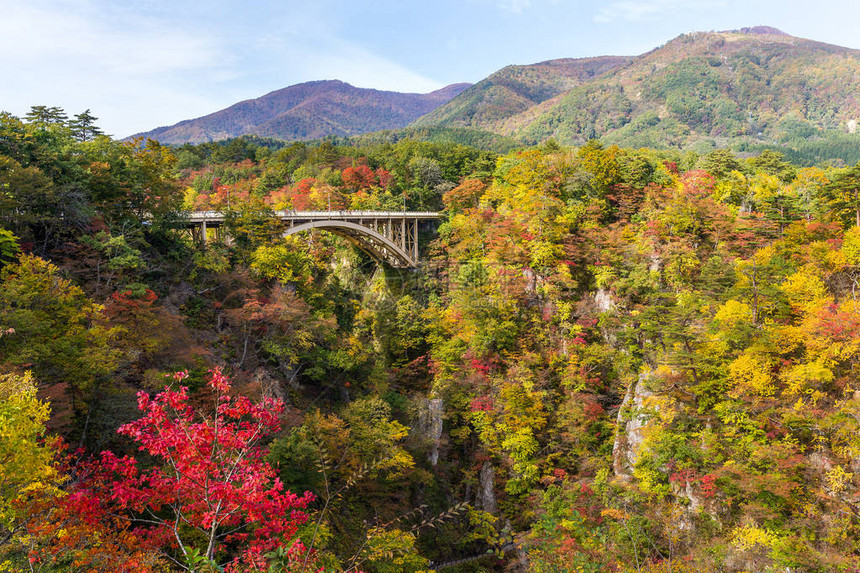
<point>141,64</point>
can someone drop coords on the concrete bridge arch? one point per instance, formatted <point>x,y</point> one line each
<point>368,240</point>
<point>387,236</point>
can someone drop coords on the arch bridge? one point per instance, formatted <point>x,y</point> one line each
<point>387,236</point>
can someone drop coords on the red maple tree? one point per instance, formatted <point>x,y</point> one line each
<point>211,496</point>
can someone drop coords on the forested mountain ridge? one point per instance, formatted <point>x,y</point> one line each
<point>308,111</point>
<point>613,359</point>
<point>515,89</point>
<point>707,89</point>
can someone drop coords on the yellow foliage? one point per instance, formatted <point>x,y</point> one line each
<point>26,462</point>
<point>613,513</point>
<point>733,312</point>
<point>751,374</point>
<point>838,479</point>
<point>750,536</point>
<point>787,339</point>
<point>545,254</point>
<point>764,187</point>
<point>393,551</point>
<point>805,291</point>
<point>189,196</point>
<point>804,377</point>
<point>851,246</point>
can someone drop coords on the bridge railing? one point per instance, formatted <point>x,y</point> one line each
<point>197,217</point>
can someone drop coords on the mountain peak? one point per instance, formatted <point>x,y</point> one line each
<point>309,110</point>
<point>759,30</point>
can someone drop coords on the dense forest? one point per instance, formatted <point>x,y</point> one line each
<point>611,359</point>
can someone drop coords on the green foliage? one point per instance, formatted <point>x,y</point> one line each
<point>286,261</point>
<point>392,551</point>
<point>51,326</point>
<point>9,246</point>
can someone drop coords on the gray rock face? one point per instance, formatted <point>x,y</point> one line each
<point>429,426</point>
<point>603,300</point>
<point>632,419</point>
<point>269,385</point>
<point>486,492</point>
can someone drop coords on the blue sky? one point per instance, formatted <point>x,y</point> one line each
<point>140,64</point>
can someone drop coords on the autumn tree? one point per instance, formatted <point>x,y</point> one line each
<point>210,498</point>
<point>26,459</point>
<point>358,177</point>
<point>54,328</point>
<point>843,194</point>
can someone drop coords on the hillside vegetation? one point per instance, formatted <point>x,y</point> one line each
<point>746,89</point>
<point>612,359</point>
<point>515,89</point>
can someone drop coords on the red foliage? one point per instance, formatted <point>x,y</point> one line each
<point>465,195</point>
<point>125,301</point>
<point>707,482</point>
<point>698,183</point>
<point>683,476</point>
<point>836,325</point>
<point>384,177</point>
<point>593,411</point>
<point>709,488</point>
<point>304,186</point>
<point>60,529</point>
<point>212,476</point>
<point>480,367</point>
<point>358,177</point>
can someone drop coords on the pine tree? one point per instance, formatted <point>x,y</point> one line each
<point>84,127</point>
<point>42,114</point>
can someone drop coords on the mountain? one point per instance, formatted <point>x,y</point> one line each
<point>749,87</point>
<point>757,83</point>
<point>515,89</point>
<point>746,89</point>
<point>308,111</point>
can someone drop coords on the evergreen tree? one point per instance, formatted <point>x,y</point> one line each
<point>45,115</point>
<point>843,194</point>
<point>84,127</point>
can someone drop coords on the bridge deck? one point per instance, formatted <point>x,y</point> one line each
<point>197,217</point>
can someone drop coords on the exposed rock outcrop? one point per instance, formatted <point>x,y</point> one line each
<point>486,491</point>
<point>632,419</point>
<point>429,426</point>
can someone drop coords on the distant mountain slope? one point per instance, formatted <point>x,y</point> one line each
<point>515,89</point>
<point>746,89</point>
<point>754,85</point>
<point>308,111</point>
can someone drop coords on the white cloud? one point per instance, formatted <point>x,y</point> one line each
<point>353,64</point>
<point>30,33</point>
<point>643,10</point>
<point>122,66</point>
<point>516,6</point>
